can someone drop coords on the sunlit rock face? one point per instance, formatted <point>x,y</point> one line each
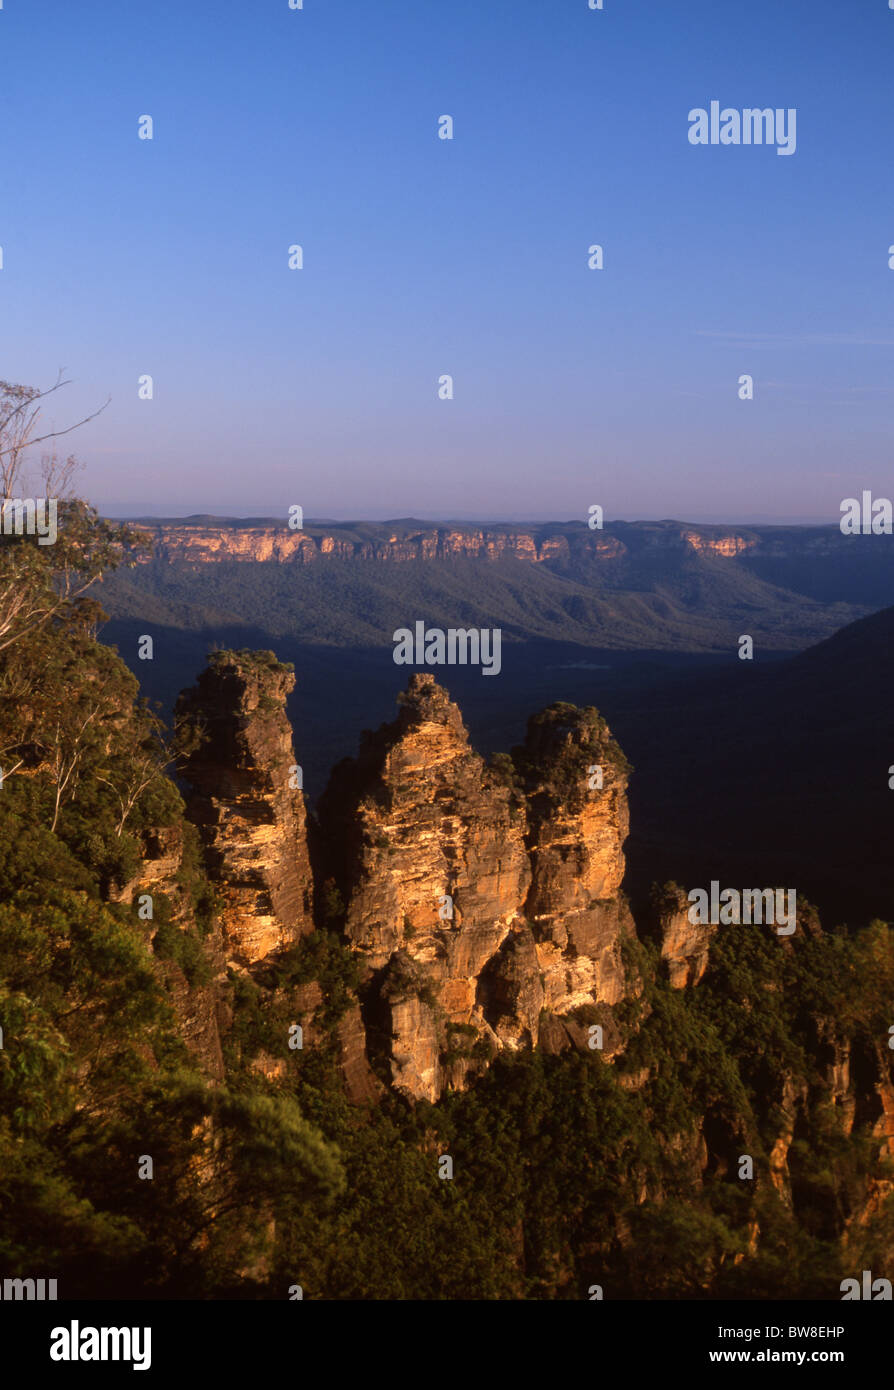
<point>434,874</point>
<point>244,798</point>
<point>480,898</point>
<point>685,945</point>
<point>575,779</point>
<point>193,543</point>
<point>483,902</point>
<point>719,545</point>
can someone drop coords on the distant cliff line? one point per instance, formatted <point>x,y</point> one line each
<point>199,540</point>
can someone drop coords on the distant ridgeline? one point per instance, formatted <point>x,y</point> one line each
<point>247,1047</point>
<point>664,586</point>
<point>202,538</point>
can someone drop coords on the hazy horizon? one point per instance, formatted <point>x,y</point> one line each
<point>150,512</point>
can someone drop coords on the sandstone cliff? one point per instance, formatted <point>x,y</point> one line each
<point>483,901</point>
<point>575,780</point>
<point>684,945</point>
<point>246,800</point>
<point>198,543</point>
<point>199,540</point>
<point>434,877</point>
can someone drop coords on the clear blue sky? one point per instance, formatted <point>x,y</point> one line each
<point>423,257</point>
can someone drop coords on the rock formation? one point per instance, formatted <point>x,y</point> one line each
<point>483,904</point>
<point>202,540</point>
<point>198,543</point>
<point>684,945</point>
<point>246,800</point>
<point>575,779</point>
<point>482,900</point>
<point>434,874</point>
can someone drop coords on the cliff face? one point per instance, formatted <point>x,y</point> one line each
<point>481,900</point>
<point>203,541</point>
<point>435,884</point>
<point>246,801</point>
<point>685,945</point>
<point>719,545</point>
<point>188,543</point>
<point>200,540</point>
<point>576,789</point>
<point>483,903</point>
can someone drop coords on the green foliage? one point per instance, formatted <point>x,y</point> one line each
<point>563,741</point>
<point>503,768</point>
<point>331,906</point>
<point>672,601</point>
<point>459,1043</point>
<point>185,949</point>
<point>264,1006</point>
<point>248,660</point>
<point>321,956</point>
<point>569,1169</point>
<point>93,1069</point>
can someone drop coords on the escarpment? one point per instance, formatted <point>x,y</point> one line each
<point>197,541</point>
<point>193,543</point>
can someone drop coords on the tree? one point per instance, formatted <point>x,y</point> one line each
<point>136,767</point>
<point>34,583</point>
<point>43,606</point>
<point>20,411</point>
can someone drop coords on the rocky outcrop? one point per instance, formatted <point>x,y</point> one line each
<point>431,860</point>
<point>483,900</point>
<point>575,782</point>
<point>162,902</point>
<point>726,546</point>
<point>685,945</point>
<point>246,800</point>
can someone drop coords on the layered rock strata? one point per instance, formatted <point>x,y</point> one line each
<point>189,543</point>
<point>482,900</point>
<point>575,779</point>
<point>246,800</point>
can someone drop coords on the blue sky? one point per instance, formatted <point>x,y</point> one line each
<point>272,126</point>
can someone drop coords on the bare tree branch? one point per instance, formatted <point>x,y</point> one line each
<point>19,413</point>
